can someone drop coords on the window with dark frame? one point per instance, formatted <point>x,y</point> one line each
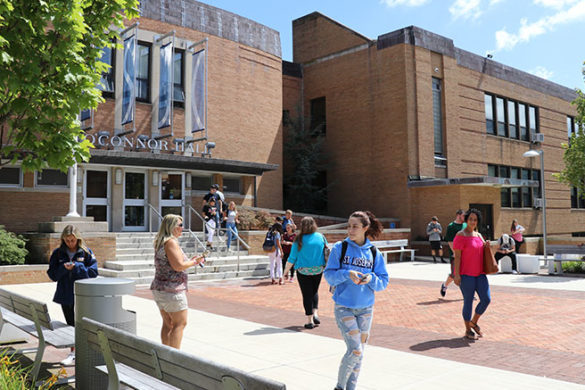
<point>572,127</point>
<point>200,183</point>
<point>10,177</point>
<point>143,73</point>
<point>509,118</point>
<point>319,116</point>
<point>577,202</point>
<point>108,79</point>
<point>51,177</point>
<point>516,197</point>
<point>231,184</point>
<point>178,79</point>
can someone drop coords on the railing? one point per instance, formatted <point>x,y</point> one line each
<point>150,210</point>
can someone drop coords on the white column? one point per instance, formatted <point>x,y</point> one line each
<point>73,192</point>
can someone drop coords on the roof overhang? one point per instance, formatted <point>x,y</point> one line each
<point>171,161</point>
<point>488,181</point>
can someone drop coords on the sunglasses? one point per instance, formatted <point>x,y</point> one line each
<point>180,225</point>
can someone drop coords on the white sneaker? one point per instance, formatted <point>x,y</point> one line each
<point>514,272</point>
<point>69,360</point>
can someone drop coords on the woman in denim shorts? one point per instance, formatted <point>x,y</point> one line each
<point>170,279</point>
<point>355,275</point>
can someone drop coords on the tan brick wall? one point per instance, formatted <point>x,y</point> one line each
<point>41,245</point>
<point>19,274</point>
<point>21,211</point>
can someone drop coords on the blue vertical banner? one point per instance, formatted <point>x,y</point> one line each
<point>165,86</point>
<point>129,89</point>
<point>198,97</point>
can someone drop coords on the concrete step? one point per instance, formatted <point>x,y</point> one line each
<point>125,265</point>
<point>145,278</point>
<point>129,265</point>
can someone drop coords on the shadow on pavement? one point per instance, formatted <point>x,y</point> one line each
<point>270,330</point>
<point>457,342</point>
<point>439,301</point>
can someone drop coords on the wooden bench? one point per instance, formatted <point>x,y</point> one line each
<point>33,317</point>
<point>401,246</point>
<point>143,364</point>
<point>564,253</point>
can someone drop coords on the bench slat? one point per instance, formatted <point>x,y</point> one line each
<point>62,337</point>
<point>136,379</point>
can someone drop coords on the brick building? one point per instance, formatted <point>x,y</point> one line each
<point>136,168</point>
<point>417,127</point>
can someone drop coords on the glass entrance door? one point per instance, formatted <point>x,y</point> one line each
<point>172,193</point>
<point>96,195</point>
<point>134,201</point>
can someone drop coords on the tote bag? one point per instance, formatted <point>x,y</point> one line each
<point>490,265</point>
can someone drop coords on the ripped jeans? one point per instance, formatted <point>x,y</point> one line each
<point>354,325</point>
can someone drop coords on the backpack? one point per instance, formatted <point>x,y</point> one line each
<point>343,250</point>
<point>269,245</point>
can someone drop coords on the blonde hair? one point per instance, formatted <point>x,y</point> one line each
<point>165,231</point>
<point>230,205</point>
<point>71,230</point>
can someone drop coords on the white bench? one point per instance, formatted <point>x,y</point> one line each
<point>401,246</point>
<point>33,317</point>
<point>146,365</point>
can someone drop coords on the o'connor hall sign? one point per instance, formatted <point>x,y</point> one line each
<point>105,139</point>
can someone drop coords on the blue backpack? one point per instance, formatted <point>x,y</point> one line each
<point>269,244</point>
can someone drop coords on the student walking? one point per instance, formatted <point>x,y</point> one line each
<point>454,227</point>
<point>434,231</point>
<point>356,269</point>
<point>275,256</point>
<point>288,239</point>
<point>469,274</point>
<point>231,219</point>
<point>72,261</point>
<point>308,259</point>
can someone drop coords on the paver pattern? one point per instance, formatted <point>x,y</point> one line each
<point>533,331</point>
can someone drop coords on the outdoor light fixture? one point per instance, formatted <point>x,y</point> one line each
<point>118,175</point>
<point>155,178</point>
<point>188,180</point>
<point>531,154</point>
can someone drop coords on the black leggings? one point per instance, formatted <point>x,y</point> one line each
<point>292,270</point>
<point>309,285</point>
<point>69,314</point>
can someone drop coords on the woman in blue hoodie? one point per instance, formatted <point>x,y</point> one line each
<point>355,270</point>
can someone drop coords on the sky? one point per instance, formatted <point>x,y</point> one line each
<point>542,37</point>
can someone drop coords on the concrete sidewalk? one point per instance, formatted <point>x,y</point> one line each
<point>308,361</point>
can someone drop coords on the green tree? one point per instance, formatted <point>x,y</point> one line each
<point>574,157</point>
<point>49,70</point>
<point>304,160</point>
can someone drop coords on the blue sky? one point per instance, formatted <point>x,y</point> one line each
<point>542,37</point>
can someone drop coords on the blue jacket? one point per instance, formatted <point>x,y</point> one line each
<point>311,253</point>
<point>358,258</point>
<point>85,267</point>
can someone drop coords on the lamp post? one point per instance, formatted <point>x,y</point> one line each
<point>530,154</point>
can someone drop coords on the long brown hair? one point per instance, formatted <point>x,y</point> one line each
<point>513,227</point>
<point>367,218</point>
<point>308,226</point>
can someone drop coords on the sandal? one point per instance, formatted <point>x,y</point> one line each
<point>476,328</point>
<point>470,335</point>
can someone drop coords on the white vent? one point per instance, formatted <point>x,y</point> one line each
<point>537,138</point>
<point>537,203</point>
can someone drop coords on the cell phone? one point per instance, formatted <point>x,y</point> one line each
<point>363,278</point>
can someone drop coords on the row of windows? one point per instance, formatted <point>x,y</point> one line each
<point>508,118</point>
<point>11,177</point>
<point>143,74</point>
<point>516,197</point>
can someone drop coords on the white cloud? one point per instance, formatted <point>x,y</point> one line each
<point>507,41</point>
<point>542,72</point>
<point>557,4</point>
<point>466,9</point>
<point>407,3</point>
<point>494,2</point>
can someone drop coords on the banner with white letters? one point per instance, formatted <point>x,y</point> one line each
<point>165,86</point>
<point>129,89</point>
<point>198,96</point>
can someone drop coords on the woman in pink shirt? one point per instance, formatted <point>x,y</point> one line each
<point>516,232</point>
<point>468,275</point>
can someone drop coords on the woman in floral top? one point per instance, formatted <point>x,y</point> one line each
<point>170,279</point>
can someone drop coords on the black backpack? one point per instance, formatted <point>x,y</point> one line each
<point>343,250</point>
<point>269,245</point>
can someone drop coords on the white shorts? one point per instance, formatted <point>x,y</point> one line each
<point>169,301</point>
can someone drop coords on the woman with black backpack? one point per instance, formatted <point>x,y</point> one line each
<point>355,270</point>
<point>273,248</point>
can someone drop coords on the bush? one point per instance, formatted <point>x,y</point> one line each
<point>574,267</point>
<point>13,376</point>
<point>254,220</point>
<point>12,249</point>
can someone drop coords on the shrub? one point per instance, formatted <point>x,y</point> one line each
<point>254,220</point>
<point>574,267</point>
<point>13,376</point>
<point>12,249</point>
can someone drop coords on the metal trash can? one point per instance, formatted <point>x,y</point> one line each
<point>101,300</point>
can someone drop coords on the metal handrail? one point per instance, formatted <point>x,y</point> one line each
<point>150,210</point>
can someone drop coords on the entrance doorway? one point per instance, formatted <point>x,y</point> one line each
<point>486,228</point>
<point>96,195</point>
<point>172,193</point>
<point>134,201</point>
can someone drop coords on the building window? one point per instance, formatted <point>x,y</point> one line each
<point>108,80</point>
<point>577,202</point>
<point>200,183</point>
<point>231,185</point>
<point>489,114</point>
<point>178,79</point>
<point>318,116</point>
<point>143,73</point>
<point>572,127</point>
<point>438,123</point>
<point>509,118</point>
<point>516,197</point>
<point>10,177</point>
<point>52,178</point>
